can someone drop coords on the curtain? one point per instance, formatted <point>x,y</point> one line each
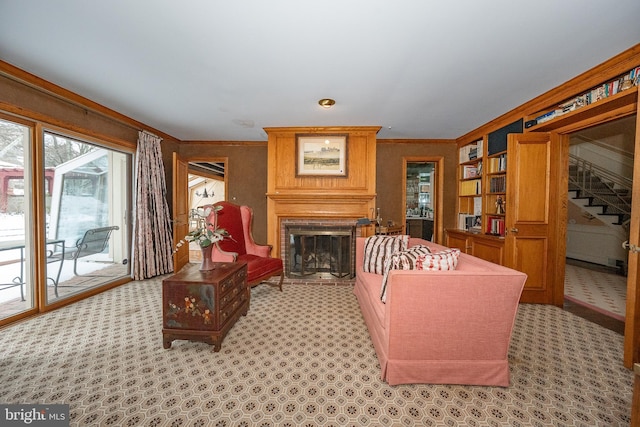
<point>152,241</point>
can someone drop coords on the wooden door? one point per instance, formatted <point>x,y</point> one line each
<point>180,210</point>
<point>531,219</point>
<point>632,315</point>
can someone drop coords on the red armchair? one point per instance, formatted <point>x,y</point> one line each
<point>240,246</point>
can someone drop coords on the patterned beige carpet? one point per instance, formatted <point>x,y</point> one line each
<point>301,357</point>
<point>601,291</point>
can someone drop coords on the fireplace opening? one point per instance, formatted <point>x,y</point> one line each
<point>321,252</point>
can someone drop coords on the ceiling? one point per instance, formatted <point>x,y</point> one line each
<point>210,169</point>
<point>224,70</point>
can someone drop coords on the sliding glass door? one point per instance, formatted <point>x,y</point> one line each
<point>86,212</point>
<point>68,236</point>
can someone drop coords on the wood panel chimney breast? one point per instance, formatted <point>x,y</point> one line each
<point>291,195</point>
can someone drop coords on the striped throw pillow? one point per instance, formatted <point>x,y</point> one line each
<point>443,260</point>
<point>378,248</point>
<point>403,260</point>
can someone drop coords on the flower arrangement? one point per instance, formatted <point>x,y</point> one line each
<point>205,234</point>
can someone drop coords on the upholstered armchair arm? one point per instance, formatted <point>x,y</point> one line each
<point>259,250</point>
<point>219,255</point>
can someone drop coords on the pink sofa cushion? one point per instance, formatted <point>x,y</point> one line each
<point>378,248</point>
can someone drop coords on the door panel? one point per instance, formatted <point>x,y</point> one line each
<point>180,210</point>
<point>488,250</point>
<point>531,167</point>
<point>632,317</point>
<point>534,266</point>
<point>530,241</point>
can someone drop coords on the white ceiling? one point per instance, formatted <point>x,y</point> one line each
<point>224,70</point>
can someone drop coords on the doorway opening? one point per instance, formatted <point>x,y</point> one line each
<point>421,196</point>
<point>206,186</point>
<point>601,161</point>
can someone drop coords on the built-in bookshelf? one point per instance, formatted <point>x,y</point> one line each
<point>495,196</point>
<point>482,178</point>
<point>470,189</point>
<point>483,183</point>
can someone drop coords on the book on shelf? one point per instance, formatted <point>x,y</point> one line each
<point>605,90</point>
<point>471,151</point>
<point>498,184</point>
<point>477,206</point>
<point>498,163</point>
<point>495,225</point>
<point>471,187</point>
<point>469,171</point>
<point>463,219</point>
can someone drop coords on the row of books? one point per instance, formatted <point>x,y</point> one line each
<point>471,151</point>
<point>498,184</point>
<point>623,82</point>
<point>498,164</point>
<point>472,223</point>
<point>495,225</point>
<point>471,187</point>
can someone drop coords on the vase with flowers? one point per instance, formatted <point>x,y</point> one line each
<point>205,234</point>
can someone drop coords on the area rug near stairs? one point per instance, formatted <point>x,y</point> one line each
<point>601,291</point>
<point>301,357</point>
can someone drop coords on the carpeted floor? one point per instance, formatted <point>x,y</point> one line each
<point>302,357</point>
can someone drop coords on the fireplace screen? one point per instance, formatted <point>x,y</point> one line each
<point>320,252</point>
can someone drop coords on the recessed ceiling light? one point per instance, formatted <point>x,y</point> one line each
<point>326,103</point>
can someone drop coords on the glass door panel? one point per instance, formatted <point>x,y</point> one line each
<point>16,285</point>
<point>87,229</point>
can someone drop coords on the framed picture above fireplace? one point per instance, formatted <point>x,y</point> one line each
<point>321,155</point>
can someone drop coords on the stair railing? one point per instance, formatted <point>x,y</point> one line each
<point>614,183</point>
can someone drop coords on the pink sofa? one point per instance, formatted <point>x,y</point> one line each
<point>441,327</point>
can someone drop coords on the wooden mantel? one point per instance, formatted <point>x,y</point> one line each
<point>290,196</point>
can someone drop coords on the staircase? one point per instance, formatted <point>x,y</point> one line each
<point>600,192</point>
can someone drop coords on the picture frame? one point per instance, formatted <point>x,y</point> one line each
<point>321,155</point>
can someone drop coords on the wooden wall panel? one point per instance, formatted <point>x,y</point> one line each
<point>291,196</point>
<point>360,156</point>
